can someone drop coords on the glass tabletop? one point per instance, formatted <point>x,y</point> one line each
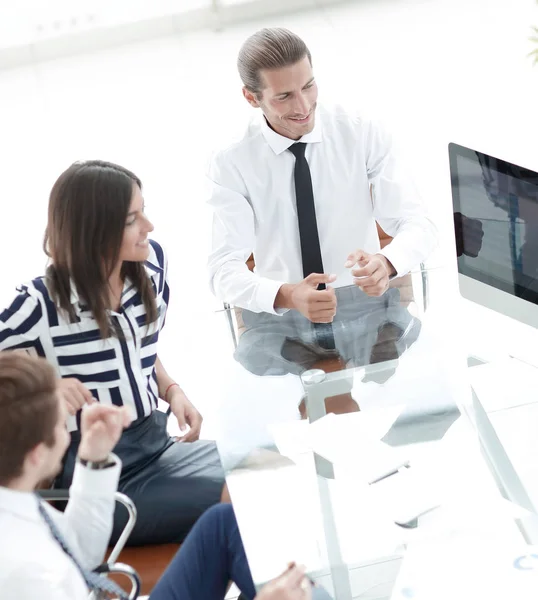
<point>347,444</point>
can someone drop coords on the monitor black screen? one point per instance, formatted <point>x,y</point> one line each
<point>496,221</point>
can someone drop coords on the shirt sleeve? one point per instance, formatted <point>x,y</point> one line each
<point>20,322</point>
<point>166,290</point>
<point>32,580</point>
<point>233,241</point>
<point>158,257</point>
<point>398,207</point>
<point>88,518</point>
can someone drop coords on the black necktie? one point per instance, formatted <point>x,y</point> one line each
<point>308,233</point>
<point>95,582</point>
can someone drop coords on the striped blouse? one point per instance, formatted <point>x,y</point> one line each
<point>116,371</point>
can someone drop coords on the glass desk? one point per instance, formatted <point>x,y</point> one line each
<point>345,446</point>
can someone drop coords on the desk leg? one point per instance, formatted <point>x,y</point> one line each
<point>339,570</point>
<point>317,388</point>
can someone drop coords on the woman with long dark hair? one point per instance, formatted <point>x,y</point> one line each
<point>96,316</point>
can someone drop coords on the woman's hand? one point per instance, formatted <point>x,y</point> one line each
<point>186,414</point>
<point>291,585</point>
<point>74,393</point>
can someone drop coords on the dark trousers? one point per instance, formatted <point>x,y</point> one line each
<point>211,556</point>
<point>171,484</point>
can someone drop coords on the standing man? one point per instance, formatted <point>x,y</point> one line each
<point>302,191</point>
<point>295,192</point>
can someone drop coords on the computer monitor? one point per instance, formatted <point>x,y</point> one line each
<point>496,224</point>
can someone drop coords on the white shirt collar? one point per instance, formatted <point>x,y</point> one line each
<point>280,144</point>
<point>20,504</point>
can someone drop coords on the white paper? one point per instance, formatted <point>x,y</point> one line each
<point>468,567</point>
<point>362,456</point>
<point>505,383</point>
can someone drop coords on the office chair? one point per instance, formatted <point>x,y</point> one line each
<point>110,567</point>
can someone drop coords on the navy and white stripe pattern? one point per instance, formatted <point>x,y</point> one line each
<point>117,371</point>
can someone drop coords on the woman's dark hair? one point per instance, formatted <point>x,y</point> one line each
<point>88,208</point>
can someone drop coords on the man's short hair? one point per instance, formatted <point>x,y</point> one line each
<point>269,49</point>
<point>28,410</point>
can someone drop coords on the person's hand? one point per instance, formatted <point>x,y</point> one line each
<point>318,306</point>
<point>74,393</point>
<point>186,414</point>
<point>371,272</point>
<point>291,585</point>
<point>101,427</point>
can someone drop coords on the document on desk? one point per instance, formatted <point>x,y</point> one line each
<point>468,567</point>
<point>351,444</point>
<point>346,441</point>
<point>279,517</point>
<point>505,383</point>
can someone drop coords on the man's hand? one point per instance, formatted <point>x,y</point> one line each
<point>371,272</point>
<point>101,428</point>
<point>74,393</point>
<point>291,585</point>
<point>318,306</point>
<point>186,414</point>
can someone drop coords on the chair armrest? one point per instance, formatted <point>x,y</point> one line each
<point>51,495</point>
<point>425,289</point>
<point>228,310</point>
<point>122,569</point>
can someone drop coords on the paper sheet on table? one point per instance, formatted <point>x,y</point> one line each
<point>468,567</point>
<point>279,519</point>
<point>372,424</point>
<point>300,436</point>
<point>351,441</point>
<point>453,489</point>
<point>505,383</point>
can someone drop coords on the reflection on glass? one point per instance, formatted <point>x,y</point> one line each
<point>366,330</point>
<point>343,491</point>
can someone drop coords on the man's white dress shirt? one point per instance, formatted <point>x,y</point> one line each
<point>33,565</point>
<point>253,201</point>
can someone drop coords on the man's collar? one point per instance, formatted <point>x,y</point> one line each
<point>20,504</point>
<point>280,144</point>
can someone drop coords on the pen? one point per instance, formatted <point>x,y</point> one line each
<point>393,471</point>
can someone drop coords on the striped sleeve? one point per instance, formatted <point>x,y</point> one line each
<point>166,289</point>
<point>20,322</point>
<point>160,258</point>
